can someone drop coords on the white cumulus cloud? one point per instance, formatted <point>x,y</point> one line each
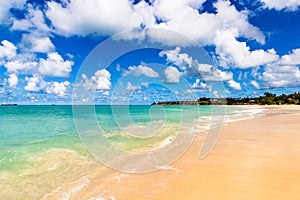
<point>234,85</point>
<point>57,88</point>
<point>172,75</point>
<point>36,43</point>
<point>202,27</point>
<point>16,62</point>
<point>131,87</point>
<point>99,81</point>
<point>34,22</point>
<point>291,59</point>
<point>284,72</point>
<point>5,6</point>
<point>13,80</point>
<point>282,4</point>
<point>281,75</point>
<point>93,17</point>
<point>35,83</point>
<point>198,84</point>
<point>55,66</point>
<point>255,84</point>
<point>192,68</point>
<point>7,50</point>
<point>216,74</point>
<point>237,54</point>
<point>174,56</point>
<point>21,65</point>
<point>80,17</point>
<point>141,70</point>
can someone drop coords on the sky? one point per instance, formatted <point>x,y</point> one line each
<point>140,52</point>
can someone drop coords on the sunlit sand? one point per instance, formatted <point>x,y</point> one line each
<point>254,159</point>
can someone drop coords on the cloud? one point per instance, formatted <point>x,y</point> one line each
<point>189,91</point>
<point>290,5</point>
<point>36,43</point>
<point>195,28</point>
<point>216,75</point>
<point>165,8</point>
<point>131,87</point>
<point>191,24</point>
<point>21,25</point>
<point>79,17</point>
<point>118,68</point>
<point>5,7</point>
<point>34,21</point>
<point>55,66</point>
<point>17,63</point>
<point>215,94</point>
<point>234,85</point>
<point>26,62</point>
<point>231,52</point>
<point>244,75</point>
<point>285,72</point>
<point>192,68</point>
<point>13,80</point>
<point>57,88</point>
<point>291,59</point>
<point>174,56</point>
<point>255,84</point>
<point>221,29</point>
<point>7,50</point>
<point>172,75</point>
<point>281,75</point>
<point>145,84</point>
<point>99,81</point>
<point>35,83</point>
<point>198,84</point>
<point>22,64</point>
<point>36,32</point>
<point>141,70</point>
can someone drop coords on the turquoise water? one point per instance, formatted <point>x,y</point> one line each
<point>35,140</point>
<point>27,130</point>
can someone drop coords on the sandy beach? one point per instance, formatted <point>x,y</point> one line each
<point>257,158</point>
<point>149,100</point>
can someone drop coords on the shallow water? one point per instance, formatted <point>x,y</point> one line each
<point>40,148</point>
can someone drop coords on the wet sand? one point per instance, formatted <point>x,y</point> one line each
<point>254,159</point>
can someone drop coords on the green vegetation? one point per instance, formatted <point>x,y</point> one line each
<point>266,99</point>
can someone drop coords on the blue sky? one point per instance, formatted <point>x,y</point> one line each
<point>181,50</point>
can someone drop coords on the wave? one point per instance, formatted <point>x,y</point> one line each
<point>67,195</point>
<point>247,112</point>
<point>240,113</point>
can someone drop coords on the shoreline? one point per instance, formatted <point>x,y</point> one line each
<point>254,159</point>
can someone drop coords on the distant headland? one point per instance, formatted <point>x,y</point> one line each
<point>266,99</point>
<point>9,104</point>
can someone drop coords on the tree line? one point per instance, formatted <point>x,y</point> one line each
<point>266,99</point>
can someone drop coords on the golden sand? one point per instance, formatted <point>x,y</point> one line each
<point>254,159</point>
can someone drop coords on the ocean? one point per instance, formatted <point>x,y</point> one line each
<point>45,147</point>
